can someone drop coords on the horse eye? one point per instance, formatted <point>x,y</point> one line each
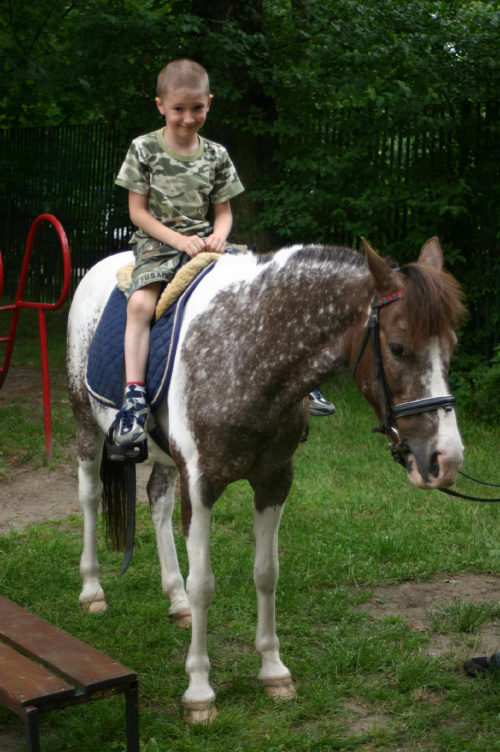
<point>396,348</point>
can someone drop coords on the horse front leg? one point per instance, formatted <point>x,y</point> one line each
<point>199,697</point>
<point>161,493</point>
<point>274,675</point>
<point>92,596</point>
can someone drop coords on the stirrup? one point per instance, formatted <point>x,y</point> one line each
<point>136,452</point>
<point>133,452</point>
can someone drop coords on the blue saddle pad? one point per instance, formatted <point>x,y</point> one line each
<point>105,365</point>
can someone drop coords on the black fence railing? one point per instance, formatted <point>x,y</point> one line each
<point>68,172</point>
<point>439,175</point>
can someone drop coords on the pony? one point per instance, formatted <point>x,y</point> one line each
<point>260,332</point>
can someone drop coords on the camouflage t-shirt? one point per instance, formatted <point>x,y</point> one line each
<point>179,186</point>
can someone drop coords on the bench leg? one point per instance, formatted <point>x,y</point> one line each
<point>132,719</point>
<point>32,735</point>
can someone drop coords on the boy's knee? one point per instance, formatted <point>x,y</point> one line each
<point>141,306</point>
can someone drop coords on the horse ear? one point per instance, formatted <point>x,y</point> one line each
<point>431,253</point>
<point>381,273</point>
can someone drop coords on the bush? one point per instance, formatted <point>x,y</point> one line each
<point>477,386</point>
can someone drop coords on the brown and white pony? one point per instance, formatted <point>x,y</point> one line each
<point>258,334</point>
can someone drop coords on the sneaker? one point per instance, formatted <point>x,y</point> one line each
<point>318,405</point>
<point>131,422</point>
<point>482,665</point>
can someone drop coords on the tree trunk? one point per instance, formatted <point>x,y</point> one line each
<point>251,152</point>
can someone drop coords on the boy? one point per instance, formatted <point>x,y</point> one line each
<point>172,175</point>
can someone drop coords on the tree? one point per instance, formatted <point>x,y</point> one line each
<point>344,118</point>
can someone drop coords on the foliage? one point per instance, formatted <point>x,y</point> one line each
<point>477,385</point>
<point>362,74</point>
<point>344,118</point>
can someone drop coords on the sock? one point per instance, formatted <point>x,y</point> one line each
<point>135,392</point>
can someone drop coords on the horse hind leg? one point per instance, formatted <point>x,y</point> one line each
<point>274,676</point>
<point>92,596</point>
<point>161,493</point>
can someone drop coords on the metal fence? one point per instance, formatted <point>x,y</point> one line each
<point>439,175</point>
<point>68,172</point>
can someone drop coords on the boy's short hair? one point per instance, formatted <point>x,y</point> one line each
<point>182,74</point>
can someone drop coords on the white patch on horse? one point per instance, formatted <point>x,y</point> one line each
<point>449,441</point>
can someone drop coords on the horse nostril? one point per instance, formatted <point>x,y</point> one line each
<point>434,465</point>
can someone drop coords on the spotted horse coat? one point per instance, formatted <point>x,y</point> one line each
<point>258,334</point>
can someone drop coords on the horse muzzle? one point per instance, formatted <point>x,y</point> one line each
<point>436,469</point>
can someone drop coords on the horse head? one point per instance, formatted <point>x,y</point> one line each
<point>405,372</point>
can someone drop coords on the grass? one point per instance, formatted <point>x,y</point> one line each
<point>22,437</point>
<point>353,522</point>
<point>460,615</point>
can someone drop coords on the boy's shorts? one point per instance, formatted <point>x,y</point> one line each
<point>158,263</point>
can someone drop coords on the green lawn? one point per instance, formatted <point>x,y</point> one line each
<point>353,524</point>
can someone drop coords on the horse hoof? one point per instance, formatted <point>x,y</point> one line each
<point>97,606</point>
<point>182,619</point>
<point>279,689</point>
<point>200,712</point>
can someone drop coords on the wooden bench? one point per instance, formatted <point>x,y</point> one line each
<point>80,673</point>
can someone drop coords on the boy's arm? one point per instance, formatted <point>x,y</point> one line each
<point>223,221</point>
<point>140,216</point>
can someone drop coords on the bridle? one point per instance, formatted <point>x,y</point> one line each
<point>390,411</point>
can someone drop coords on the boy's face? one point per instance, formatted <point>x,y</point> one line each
<point>185,112</point>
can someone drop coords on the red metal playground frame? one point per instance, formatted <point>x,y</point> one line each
<point>19,303</point>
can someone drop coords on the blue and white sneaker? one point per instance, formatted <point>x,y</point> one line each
<point>320,406</point>
<point>131,423</point>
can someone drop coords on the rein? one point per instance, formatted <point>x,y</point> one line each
<point>459,495</point>
<point>390,411</point>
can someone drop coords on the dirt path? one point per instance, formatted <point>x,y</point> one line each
<point>30,495</point>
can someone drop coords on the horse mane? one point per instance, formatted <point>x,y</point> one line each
<point>433,302</point>
<point>318,255</point>
<point>330,253</point>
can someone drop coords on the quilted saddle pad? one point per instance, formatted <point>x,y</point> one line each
<point>105,366</point>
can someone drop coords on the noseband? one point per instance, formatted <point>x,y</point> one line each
<point>390,411</point>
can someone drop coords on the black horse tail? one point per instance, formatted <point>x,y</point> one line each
<point>115,479</point>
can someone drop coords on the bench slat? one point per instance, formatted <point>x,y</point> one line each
<point>68,656</point>
<point>25,683</point>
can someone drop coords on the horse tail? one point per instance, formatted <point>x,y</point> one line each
<point>114,477</point>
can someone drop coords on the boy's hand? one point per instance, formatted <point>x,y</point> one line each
<point>215,244</point>
<point>192,245</point>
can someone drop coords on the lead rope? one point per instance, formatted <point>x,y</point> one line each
<point>459,495</point>
<point>482,482</point>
